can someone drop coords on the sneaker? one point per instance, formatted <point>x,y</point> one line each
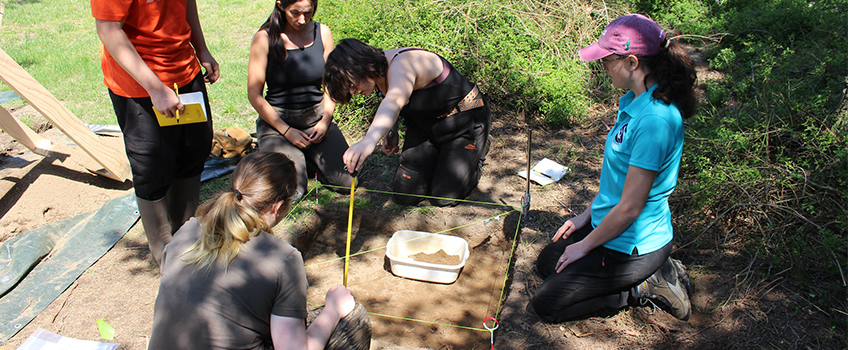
<point>665,288</point>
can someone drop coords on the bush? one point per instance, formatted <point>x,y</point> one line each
<point>522,54</point>
<point>687,16</point>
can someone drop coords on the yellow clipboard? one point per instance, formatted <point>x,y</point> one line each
<point>195,111</point>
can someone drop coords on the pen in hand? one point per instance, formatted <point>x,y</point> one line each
<point>177,91</point>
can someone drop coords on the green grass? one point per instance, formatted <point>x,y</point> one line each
<point>210,188</point>
<point>56,42</point>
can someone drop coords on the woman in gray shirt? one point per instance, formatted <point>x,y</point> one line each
<point>228,283</point>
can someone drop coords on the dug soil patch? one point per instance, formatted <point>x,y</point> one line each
<point>396,302</point>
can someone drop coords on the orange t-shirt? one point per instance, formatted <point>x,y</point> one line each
<point>160,33</point>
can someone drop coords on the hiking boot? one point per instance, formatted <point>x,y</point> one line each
<point>682,275</point>
<point>666,289</point>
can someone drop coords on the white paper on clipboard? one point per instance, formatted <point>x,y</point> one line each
<point>545,172</point>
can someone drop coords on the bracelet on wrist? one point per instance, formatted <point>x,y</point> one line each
<point>287,130</point>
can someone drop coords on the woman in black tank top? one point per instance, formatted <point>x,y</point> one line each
<point>446,116</point>
<point>287,56</point>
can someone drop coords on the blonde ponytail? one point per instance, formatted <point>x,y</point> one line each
<point>229,219</point>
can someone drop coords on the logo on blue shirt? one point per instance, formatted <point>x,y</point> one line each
<point>619,137</point>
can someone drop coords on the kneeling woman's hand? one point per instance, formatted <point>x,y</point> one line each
<point>571,254</point>
<point>297,138</point>
<point>339,300</point>
<point>318,132</point>
<point>355,156</point>
<point>570,226</point>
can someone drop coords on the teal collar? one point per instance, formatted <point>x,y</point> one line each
<point>632,105</point>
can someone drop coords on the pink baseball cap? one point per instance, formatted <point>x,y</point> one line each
<point>632,34</point>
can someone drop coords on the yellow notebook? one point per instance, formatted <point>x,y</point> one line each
<point>195,111</point>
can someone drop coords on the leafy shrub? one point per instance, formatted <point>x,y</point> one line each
<point>522,54</point>
<point>687,16</point>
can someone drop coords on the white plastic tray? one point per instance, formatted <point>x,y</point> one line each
<point>405,244</point>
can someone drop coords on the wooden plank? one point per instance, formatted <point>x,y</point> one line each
<point>115,162</point>
<point>24,134</point>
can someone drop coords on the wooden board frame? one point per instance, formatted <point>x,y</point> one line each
<point>114,162</point>
<point>24,134</point>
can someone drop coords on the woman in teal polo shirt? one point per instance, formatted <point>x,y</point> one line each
<point>616,253</point>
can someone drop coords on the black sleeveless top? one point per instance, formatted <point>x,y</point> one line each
<point>297,84</point>
<point>438,97</point>
<point>427,104</point>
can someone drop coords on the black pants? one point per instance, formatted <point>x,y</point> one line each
<point>158,155</point>
<point>601,283</point>
<point>443,168</point>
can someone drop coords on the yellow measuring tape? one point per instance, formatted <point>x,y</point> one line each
<point>423,196</point>
<point>349,229</point>
<point>431,322</point>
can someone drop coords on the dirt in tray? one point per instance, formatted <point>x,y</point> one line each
<point>441,257</point>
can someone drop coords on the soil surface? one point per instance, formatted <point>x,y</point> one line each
<point>497,280</point>
<point>441,257</point>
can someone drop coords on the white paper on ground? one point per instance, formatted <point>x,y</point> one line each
<point>44,340</point>
<point>545,172</point>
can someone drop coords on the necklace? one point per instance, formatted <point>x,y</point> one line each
<point>379,92</point>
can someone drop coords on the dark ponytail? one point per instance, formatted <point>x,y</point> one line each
<point>274,26</point>
<point>674,71</point>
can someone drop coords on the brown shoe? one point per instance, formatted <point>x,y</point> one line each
<point>665,289</point>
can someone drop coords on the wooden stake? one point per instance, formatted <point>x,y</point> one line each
<point>525,203</point>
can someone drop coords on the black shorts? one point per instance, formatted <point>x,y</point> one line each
<point>158,155</point>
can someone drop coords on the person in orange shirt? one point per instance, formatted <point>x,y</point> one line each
<point>149,47</point>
